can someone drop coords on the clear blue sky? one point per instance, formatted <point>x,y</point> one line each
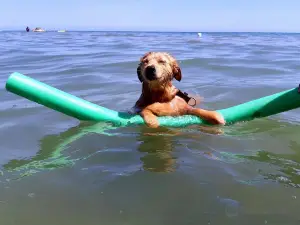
<point>153,15</point>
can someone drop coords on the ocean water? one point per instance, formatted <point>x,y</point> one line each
<point>56,170</point>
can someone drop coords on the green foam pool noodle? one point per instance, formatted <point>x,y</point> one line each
<point>81,109</point>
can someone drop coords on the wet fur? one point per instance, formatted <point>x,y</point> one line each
<point>158,97</point>
<point>158,91</point>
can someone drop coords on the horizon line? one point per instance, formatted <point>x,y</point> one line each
<point>149,31</point>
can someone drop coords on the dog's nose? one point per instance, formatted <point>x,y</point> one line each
<point>150,73</point>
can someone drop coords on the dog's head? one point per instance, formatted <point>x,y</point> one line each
<point>158,67</point>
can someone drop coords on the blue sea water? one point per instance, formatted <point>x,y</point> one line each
<point>56,170</point>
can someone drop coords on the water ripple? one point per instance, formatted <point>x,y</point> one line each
<point>225,68</point>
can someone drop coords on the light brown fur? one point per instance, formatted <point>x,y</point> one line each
<point>156,72</point>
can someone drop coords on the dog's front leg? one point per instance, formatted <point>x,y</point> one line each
<point>211,116</point>
<point>149,118</point>
<point>151,112</point>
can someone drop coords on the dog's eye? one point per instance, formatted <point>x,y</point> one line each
<point>162,61</point>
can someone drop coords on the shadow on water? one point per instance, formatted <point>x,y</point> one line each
<point>157,144</point>
<point>50,156</point>
<point>158,149</point>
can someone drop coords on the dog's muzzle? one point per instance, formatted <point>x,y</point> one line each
<point>150,73</point>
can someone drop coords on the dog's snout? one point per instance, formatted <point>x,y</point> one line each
<point>150,70</point>
<point>150,73</point>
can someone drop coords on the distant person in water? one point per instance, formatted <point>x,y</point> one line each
<point>27,29</point>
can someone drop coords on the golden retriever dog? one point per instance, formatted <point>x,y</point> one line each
<point>160,97</point>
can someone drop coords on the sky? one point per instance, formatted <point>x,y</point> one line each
<point>153,15</point>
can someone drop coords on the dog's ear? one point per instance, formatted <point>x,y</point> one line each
<point>139,74</point>
<point>175,67</point>
<point>146,55</point>
<point>177,72</point>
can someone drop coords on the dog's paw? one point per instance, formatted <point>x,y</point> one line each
<point>152,122</point>
<point>217,118</point>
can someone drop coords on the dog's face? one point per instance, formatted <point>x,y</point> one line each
<point>158,68</point>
